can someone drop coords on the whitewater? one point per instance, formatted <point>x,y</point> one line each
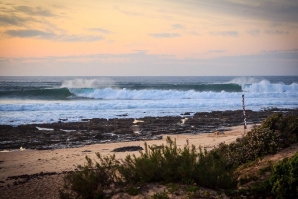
<point>27,100</point>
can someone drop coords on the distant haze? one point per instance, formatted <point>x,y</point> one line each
<point>148,38</point>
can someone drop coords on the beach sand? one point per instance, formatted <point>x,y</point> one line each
<point>16,163</point>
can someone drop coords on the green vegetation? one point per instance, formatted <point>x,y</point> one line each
<point>194,167</point>
<point>283,181</point>
<point>162,195</point>
<point>273,135</point>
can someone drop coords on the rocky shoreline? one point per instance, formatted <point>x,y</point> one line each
<point>63,134</point>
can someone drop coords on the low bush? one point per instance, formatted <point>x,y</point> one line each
<point>273,135</point>
<point>90,180</point>
<point>211,169</point>
<point>282,183</point>
<point>167,164</point>
<point>284,178</point>
<point>162,195</point>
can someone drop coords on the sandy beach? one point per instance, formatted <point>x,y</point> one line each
<point>32,173</point>
<point>16,162</point>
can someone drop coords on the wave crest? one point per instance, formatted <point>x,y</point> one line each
<point>266,86</point>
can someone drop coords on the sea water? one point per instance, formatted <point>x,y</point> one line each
<point>27,100</point>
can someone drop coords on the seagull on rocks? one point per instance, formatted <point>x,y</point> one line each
<point>137,121</point>
<point>184,120</point>
<point>136,129</point>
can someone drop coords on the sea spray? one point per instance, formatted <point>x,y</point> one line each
<point>89,83</point>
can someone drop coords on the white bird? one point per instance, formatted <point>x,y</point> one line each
<point>22,149</point>
<point>184,120</point>
<point>137,121</point>
<point>136,129</point>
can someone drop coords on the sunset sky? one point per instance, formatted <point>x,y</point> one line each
<point>148,37</point>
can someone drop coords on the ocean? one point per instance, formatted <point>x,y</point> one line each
<point>33,100</point>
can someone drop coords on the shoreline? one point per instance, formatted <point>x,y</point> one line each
<point>63,134</point>
<point>16,164</point>
<point>27,159</point>
<point>40,173</point>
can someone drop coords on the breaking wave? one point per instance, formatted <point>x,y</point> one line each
<point>98,90</point>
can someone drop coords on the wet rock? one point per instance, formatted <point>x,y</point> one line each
<point>5,127</point>
<point>98,130</point>
<point>106,136</point>
<point>158,137</point>
<point>27,128</point>
<point>186,113</point>
<point>122,115</point>
<point>99,136</point>
<point>123,131</point>
<point>62,119</point>
<point>85,120</point>
<point>21,179</point>
<point>98,120</point>
<point>128,148</point>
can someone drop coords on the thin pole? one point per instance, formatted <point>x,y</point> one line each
<point>244,116</point>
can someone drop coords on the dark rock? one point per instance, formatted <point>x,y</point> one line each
<point>61,119</point>
<point>98,120</point>
<point>98,130</point>
<point>123,131</point>
<point>122,115</point>
<point>5,127</point>
<point>21,179</point>
<point>186,113</point>
<point>99,136</point>
<point>158,137</point>
<point>128,148</point>
<point>85,120</point>
<point>27,127</point>
<point>106,136</point>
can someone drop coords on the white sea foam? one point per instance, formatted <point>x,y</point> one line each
<point>51,111</point>
<point>101,98</point>
<point>125,94</point>
<point>260,85</point>
<point>266,87</point>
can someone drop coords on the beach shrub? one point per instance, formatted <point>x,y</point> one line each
<point>282,182</point>
<point>284,178</point>
<point>90,180</point>
<point>212,169</point>
<point>171,164</point>
<point>284,125</point>
<point>132,190</point>
<point>167,164</point>
<point>273,135</point>
<point>172,187</point>
<point>162,195</point>
<point>257,143</point>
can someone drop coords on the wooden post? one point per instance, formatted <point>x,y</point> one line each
<point>244,116</point>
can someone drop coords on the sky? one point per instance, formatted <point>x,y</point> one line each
<point>148,37</point>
